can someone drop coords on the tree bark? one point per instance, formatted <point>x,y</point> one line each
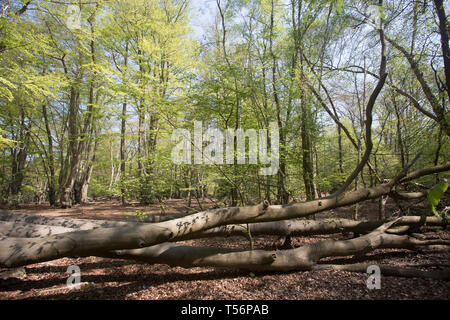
<point>73,157</point>
<point>13,226</point>
<point>51,161</point>
<point>302,258</point>
<point>123,153</point>
<point>443,30</point>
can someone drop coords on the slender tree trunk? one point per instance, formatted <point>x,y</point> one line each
<point>123,152</point>
<point>123,129</point>
<point>86,182</point>
<point>399,133</point>
<point>282,194</point>
<point>188,181</point>
<point>87,133</point>
<point>51,190</point>
<point>438,150</point>
<point>307,164</point>
<point>306,117</point>
<point>382,207</point>
<point>234,185</point>
<point>113,166</point>
<point>341,168</point>
<point>141,121</point>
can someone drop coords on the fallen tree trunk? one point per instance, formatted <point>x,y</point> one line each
<point>26,230</point>
<point>93,242</point>
<point>83,224</point>
<point>303,258</point>
<point>21,251</point>
<point>313,227</point>
<point>388,271</point>
<point>72,223</point>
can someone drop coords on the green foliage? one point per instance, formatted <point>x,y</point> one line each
<point>4,142</point>
<point>435,195</point>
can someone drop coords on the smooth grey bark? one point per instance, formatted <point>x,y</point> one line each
<point>443,30</point>
<point>302,258</point>
<point>91,242</point>
<point>51,160</point>
<point>23,230</point>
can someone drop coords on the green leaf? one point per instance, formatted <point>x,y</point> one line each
<point>382,13</point>
<point>435,195</point>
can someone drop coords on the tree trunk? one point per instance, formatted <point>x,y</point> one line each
<point>141,120</point>
<point>443,30</point>
<point>51,160</point>
<point>123,153</point>
<point>399,133</point>
<point>29,226</point>
<point>382,207</point>
<point>341,168</point>
<point>20,251</point>
<point>302,258</point>
<point>68,182</point>
<point>307,163</point>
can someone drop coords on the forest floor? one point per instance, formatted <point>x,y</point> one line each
<point>119,279</point>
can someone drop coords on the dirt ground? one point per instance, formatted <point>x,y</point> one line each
<point>118,279</point>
